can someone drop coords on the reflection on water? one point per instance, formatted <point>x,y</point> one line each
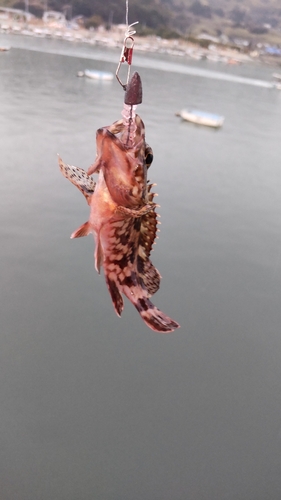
<point>93,406</point>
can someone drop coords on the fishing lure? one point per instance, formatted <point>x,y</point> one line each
<point>122,211</point>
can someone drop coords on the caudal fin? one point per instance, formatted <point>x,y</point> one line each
<point>154,318</point>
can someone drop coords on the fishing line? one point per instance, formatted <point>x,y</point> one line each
<point>127,13</point>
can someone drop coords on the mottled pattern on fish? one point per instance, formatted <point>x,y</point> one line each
<point>79,178</point>
<point>123,219</point>
<point>128,270</point>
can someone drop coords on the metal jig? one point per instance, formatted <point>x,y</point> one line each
<point>126,53</point>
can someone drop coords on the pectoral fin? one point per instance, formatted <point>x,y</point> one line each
<point>79,178</point>
<point>83,230</point>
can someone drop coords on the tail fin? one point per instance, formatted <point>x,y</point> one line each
<point>134,289</point>
<point>154,318</point>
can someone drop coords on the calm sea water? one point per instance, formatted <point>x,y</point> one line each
<point>93,407</point>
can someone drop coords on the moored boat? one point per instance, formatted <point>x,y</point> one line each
<point>277,80</point>
<point>98,75</point>
<point>201,117</point>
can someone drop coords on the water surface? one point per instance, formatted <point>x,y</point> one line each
<point>97,407</point>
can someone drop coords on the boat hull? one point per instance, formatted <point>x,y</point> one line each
<point>201,118</point>
<point>98,75</point>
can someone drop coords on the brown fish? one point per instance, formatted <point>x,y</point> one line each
<point>122,213</point>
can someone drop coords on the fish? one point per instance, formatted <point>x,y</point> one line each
<point>123,216</point>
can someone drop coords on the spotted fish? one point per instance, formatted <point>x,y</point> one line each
<point>122,212</point>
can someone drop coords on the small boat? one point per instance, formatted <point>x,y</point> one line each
<point>4,49</point>
<point>277,80</point>
<point>201,117</point>
<point>98,75</point>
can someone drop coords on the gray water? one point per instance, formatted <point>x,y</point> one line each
<point>94,407</point>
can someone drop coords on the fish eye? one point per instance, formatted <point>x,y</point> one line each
<point>149,159</point>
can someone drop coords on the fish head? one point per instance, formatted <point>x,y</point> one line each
<point>122,153</point>
<point>119,166</point>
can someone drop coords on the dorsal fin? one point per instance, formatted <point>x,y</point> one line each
<point>149,274</point>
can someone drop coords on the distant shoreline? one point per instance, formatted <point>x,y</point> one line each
<point>114,39</point>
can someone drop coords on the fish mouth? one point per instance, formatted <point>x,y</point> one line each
<point>133,92</point>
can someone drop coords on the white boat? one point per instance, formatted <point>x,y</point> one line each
<point>98,75</point>
<point>201,117</point>
<point>277,80</point>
